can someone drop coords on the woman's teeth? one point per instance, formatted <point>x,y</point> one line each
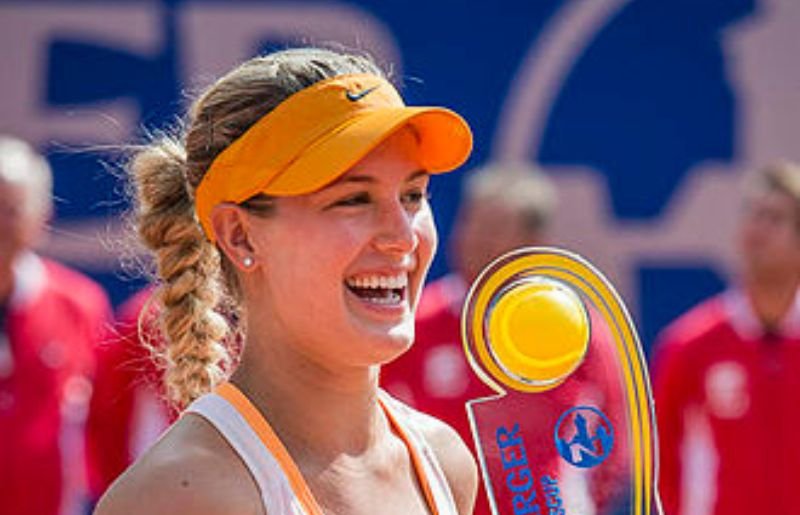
<point>378,281</point>
<point>379,289</point>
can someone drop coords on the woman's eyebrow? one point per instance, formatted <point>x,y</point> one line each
<point>417,174</point>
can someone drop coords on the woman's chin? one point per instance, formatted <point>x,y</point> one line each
<point>389,346</point>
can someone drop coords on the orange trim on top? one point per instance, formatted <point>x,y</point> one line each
<point>270,440</point>
<point>416,460</point>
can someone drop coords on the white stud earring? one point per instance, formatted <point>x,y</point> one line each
<point>247,262</point>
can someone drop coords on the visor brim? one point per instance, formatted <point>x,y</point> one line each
<point>445,143</point>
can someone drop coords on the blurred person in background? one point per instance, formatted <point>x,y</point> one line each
<point>727,373</point>
<point>51,320</point>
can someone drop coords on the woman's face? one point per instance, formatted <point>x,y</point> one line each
<point>19,226</point>
<point>341,269</point>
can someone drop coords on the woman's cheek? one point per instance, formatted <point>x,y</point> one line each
<point>429,237</point>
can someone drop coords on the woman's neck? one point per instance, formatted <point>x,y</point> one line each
<point>6,285</point>
<point>318,413</point>
<point>772,297</point>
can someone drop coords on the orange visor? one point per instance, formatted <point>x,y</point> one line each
<point>318,133</point>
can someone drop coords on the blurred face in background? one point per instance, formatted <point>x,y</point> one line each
<point>20,226</point>
<point>769,236</point>
<point>488,228</point>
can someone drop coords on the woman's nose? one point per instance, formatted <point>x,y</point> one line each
<point>396,232</point>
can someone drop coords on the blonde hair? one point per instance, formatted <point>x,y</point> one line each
<point>521,187</point>
<point>196,280</point>
<point>782,177</point>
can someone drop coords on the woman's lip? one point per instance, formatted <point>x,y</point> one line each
<point>407,266</point>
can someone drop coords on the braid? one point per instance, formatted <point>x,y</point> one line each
<point>189,268</point>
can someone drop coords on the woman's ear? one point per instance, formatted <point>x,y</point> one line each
<point>232,230</point>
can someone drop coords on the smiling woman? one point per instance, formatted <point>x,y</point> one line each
<point>296,199</point>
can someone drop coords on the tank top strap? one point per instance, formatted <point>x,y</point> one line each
<point>283,489</point>
<point>428,470</point>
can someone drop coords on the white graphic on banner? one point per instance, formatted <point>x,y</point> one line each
<point>28,28</point>
<point>239,30</point>
<point>699,222</point>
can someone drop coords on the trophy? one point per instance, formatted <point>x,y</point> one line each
<point>571,429</point>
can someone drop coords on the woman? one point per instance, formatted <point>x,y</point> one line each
<point>299,197</point>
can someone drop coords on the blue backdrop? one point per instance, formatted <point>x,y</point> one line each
<point>646,113</point>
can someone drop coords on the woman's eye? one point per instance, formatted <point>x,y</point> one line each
<point>353,200</point>
<point>416,197</point>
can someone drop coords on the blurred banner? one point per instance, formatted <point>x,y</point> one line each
<point>646,113</point>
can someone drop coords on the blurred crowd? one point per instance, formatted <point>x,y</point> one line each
<point>80,396</point>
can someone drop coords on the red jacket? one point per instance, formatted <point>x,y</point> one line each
<point>53,322</point>
<point>726,402</point>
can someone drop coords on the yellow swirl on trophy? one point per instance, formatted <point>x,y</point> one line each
<point>549,333</point>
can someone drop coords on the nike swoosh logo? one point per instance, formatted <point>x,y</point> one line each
<point>355,97</point>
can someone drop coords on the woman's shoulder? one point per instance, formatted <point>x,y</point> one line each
<point>191,470</point>
<point>453,455</point>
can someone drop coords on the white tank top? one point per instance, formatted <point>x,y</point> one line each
<point>283,489</point>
